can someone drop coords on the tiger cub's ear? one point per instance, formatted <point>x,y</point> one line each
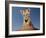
<point>30,10</point>
<point>21,12</point>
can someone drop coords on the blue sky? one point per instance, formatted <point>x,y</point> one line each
<point>17,18</point>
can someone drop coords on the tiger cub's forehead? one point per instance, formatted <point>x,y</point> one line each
<point>26,11</point>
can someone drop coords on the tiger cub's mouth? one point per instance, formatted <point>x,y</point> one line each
<point>26,20</point>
